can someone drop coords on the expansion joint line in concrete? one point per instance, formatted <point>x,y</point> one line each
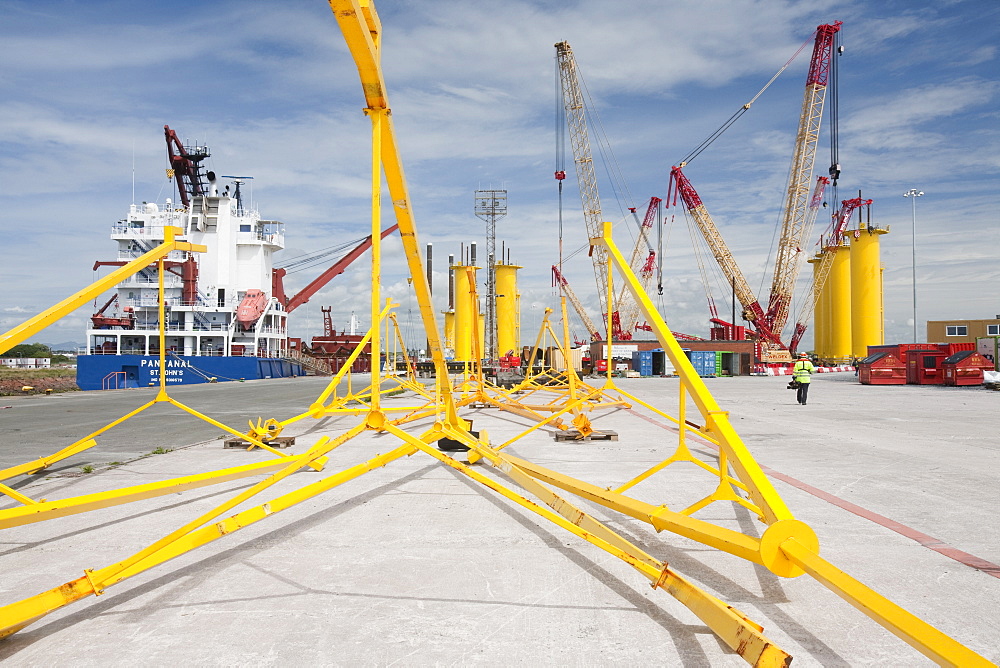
<point>931,543</point>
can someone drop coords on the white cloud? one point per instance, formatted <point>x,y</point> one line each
<point>273,92</point>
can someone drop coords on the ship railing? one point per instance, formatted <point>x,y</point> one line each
<point>143,231</point>
<point>168,282</point>
<point>274,238</point>
<point>273,354</point>
<point>131,254</point>
<point>150,301</point>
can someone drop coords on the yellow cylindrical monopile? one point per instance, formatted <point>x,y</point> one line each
<point>481,330</point>
<point>449,329</point>
<point>867,318</point>
<point>823,348</point>
<point>839,282</point>
<point>819,326</point>
<point>508,309</point>
<point>466,312</point>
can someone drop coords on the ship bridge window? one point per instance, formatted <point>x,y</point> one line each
<point>244,228</point>
<point>136,223</point>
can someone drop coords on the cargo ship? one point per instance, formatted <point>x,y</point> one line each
<point>221,323</point>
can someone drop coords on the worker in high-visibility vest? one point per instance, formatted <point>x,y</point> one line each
<point>802,372</point>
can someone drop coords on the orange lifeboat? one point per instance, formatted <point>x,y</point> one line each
<point>250,309</point>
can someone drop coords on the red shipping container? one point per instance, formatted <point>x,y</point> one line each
<point>965,368</point>
<point>952,348</point>
<point>900,349</point>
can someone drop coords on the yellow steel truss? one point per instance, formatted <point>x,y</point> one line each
<point>787,547</point>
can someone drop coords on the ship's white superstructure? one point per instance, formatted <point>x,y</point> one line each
<point>203,291</point>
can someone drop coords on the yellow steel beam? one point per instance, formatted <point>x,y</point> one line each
<point>788,547</point>
<point>660,517</point>
<point>928,640</point>
<point>32,326</point>
<point>360,25</point>
<point>17,496</point>
<point>759,487</point>
<point>16,616</point>
<point>378,117</point>
<point>733,627</point>
<point>36,465</point>
<point>47,510</point>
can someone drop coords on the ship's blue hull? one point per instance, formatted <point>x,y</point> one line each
<point>104,372</point>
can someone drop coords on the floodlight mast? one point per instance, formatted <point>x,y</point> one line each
<point>491,206</point>
<point>913,194</point>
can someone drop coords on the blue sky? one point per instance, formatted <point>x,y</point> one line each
<point>86,88</point>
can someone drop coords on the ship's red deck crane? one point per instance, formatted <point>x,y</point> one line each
<point>125,321</point>
<point>185,164</point>
<point>336,269</point>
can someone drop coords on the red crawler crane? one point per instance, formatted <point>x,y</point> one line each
<point>799,211</point>
<point>798,215</point>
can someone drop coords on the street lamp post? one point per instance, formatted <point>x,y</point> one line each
<point>913,194</point>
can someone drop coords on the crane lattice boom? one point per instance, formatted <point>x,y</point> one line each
<point>794,223</point>
<point>752,310</point>
<point>576,121</point>
<point>642,266</point>
<point>559,280</point>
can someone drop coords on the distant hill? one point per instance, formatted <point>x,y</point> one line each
<point>66,346</point>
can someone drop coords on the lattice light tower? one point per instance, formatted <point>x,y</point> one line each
<point>491,206</point>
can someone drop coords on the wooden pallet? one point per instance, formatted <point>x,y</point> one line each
<point>572,435</point>
<point>278,442</point>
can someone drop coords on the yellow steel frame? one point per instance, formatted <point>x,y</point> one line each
<point>70,304</point>
<point>40,510</point>
<point>32,326</point>
<point>787,547</point>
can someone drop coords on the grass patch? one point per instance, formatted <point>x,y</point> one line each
<point>58,380</point>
